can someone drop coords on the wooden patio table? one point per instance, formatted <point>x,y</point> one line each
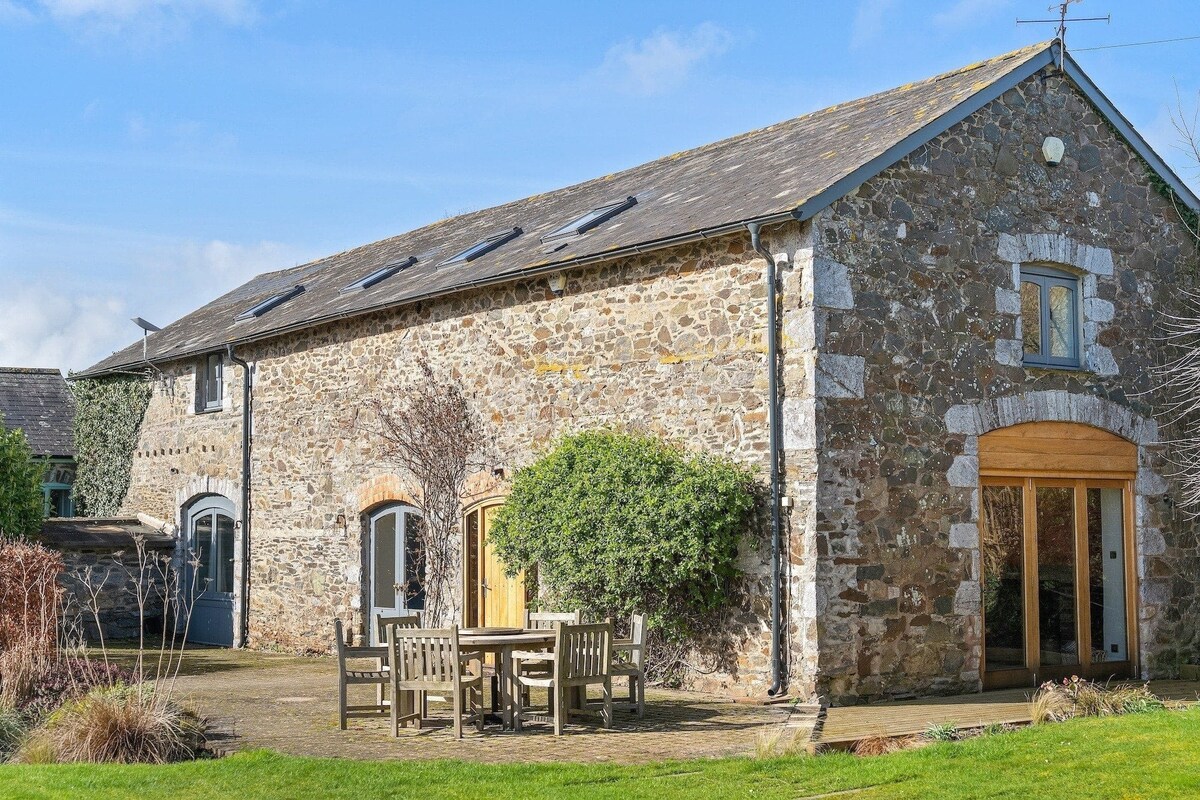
<point>502,642</point>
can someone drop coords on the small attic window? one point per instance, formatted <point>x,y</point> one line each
<point>380,275</point>
<point>590,220</point>
<point>486,246</point>
<point>271,302</point>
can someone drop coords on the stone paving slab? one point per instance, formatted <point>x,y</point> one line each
<point>289,704</point>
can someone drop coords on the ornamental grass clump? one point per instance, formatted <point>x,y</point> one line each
<point>616,522</point>
<point>120,724</point>
<point>1077,697</point>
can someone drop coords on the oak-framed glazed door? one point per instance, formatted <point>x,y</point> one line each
<point>1058,583</point>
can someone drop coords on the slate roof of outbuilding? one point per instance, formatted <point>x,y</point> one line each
<point>784,171</point>
<point>39,402</point>
<point>102,533</point>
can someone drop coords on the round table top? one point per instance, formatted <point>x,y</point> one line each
<point>488,631</point>
<point>492,640</point>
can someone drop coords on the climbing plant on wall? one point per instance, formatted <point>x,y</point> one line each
<point>21,500</point>
<point>108,414</point>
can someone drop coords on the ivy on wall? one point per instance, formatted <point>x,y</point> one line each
<point>21,501</point>
<point>108,414</point>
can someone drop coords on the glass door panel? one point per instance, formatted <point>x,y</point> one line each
<point>1004,578</point>
<point>1106,574</point>
<point>1058,639</point>
<point>383,563</point>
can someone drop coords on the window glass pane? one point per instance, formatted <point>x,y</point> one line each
<point>383,562</point>
<point>414,561</point>
<point>1056,575</point>
<point>212,381</point>
<point>224,554</point>
<point>1031,317</point>
<point>1003,583</point>
<point>202,533</point>
<point>472,567</point>
<point>1106,574</point>
<point>1062,321</point>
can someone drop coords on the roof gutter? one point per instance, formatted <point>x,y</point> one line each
<point>778,676</point>
<point>247,440</point>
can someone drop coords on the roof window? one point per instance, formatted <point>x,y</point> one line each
<point>480,248</point>
<point>380,275</point>
<point>271,302</point>
<point>590,220</point>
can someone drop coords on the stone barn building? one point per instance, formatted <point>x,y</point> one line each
<point>968,274</point>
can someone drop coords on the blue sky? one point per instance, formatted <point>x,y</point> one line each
<point>154,154</point>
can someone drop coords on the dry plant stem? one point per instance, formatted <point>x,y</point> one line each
<point>435,437</point>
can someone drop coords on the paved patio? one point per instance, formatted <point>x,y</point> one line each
<point>289,704</point>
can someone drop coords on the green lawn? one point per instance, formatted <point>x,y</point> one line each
<point>1150,755</point>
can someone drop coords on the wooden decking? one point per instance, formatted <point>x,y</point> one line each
<point>842,726</point>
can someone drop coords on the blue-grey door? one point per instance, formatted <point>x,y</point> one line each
<point>211,543</point>
<point>396,564</point>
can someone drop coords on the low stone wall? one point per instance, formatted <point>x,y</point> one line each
<point>105,562</point>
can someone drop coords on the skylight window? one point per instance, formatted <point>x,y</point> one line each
<point>380,275</point>
<point>590,220</point>
<point>271,302</point>
<point>486,246</point>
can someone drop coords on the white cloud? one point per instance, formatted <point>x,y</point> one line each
<point>141,19</point>
<point>868,21</point>
<point>663,61</point>
<point>967,13</point>
<point>67,304</point>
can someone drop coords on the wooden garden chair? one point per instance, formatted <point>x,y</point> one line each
<point>629,660</point>
<point>543,621</point>
<point>349,676</point>
<point>405,619</point>
<point>429,660</point>
<point>582,657</point>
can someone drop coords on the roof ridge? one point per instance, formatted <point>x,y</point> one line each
<point>1018,53</point>
<point>32,370</point>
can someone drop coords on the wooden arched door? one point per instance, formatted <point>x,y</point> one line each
<point>1057,555</point>
<point>492,598</point>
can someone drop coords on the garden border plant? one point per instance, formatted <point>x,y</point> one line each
<point>616,522</point>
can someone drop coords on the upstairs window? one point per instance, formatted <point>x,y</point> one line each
<point>274,300</point>
<point>597,216</point>
<point>210,383</point>
<point>480,248</point>
<point>1050,317</point>
<point>380,275</point>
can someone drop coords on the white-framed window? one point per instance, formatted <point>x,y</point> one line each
<point>1050,317</point>
<point>210,384</point>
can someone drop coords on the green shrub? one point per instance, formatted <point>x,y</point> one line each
<point>22,506</point>
<point>12,730</point>
<point>616,523</point>
<point>942,732</point>
<point>108,415</point>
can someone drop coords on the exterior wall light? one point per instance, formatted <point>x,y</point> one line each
<point>557,283</point>
<point>1053,149</point>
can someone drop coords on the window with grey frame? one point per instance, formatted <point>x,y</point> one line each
<point>210,391</point>
<point>1049,317</point>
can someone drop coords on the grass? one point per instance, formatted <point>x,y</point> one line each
<point>1150,755</point>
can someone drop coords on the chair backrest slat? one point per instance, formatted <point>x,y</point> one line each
<point>544,620</point>
<point>583,651</point>
<point>428,655</point>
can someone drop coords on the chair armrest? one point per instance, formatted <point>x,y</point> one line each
<point>532,655</point>
<point>366,652</point>
<point>625,644</point>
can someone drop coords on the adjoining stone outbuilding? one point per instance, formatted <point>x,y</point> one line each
<point>975,488</point>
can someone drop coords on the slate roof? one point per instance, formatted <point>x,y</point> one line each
<point>100,533</point>
<point>790,170</point>
<point>38,401</point>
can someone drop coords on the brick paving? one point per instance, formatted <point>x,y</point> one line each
<point>289,704</point>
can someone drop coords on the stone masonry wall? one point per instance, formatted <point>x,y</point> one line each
<point>673,343</point>
<point>919,337</point>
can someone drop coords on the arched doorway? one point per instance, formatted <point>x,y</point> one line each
<point>491,597</point>
<point>1057,553</point>
<point>395,564</point>
<point>209,573</point>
